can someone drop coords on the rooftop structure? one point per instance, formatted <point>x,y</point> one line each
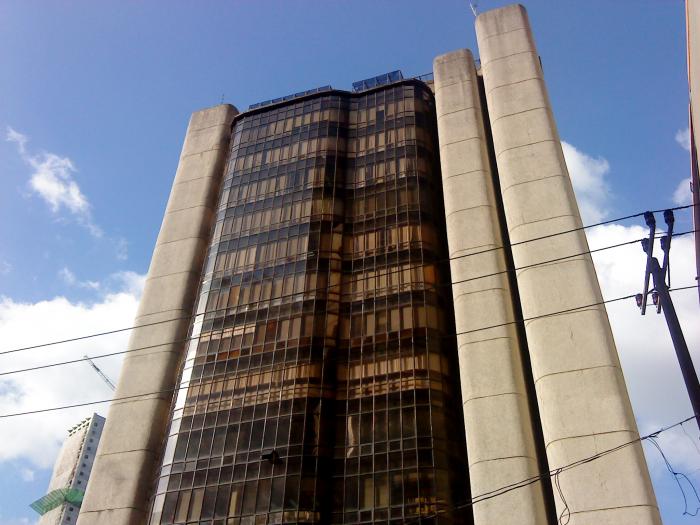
<point>71,473</point>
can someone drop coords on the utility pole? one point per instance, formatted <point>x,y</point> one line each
<point>662,300</point>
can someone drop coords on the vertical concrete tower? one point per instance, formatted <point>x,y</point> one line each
<point>581,391</point>
<point>130,447</point>
<point>497,417</point>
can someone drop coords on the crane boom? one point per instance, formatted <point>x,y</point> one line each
<point>102,375</point>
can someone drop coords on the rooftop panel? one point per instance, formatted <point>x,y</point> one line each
<point>379,80</point>
<point>290,97</point>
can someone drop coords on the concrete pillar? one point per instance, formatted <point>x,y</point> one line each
<point>581,391</point>
<point>497,418</point>
<point>128,454</point>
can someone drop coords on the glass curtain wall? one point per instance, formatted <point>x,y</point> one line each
<point>398,453</point>
<point>315,387</point>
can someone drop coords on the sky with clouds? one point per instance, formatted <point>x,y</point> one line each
<point>94,102</point>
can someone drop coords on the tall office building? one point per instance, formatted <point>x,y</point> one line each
<point>71,473</point>
<point>334,299</point>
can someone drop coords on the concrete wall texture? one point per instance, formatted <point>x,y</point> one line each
<point>536,397</point>
<point>128,455</point>
<point>581,394</point>
<point>496,414</point>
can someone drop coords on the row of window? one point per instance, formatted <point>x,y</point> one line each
<point>260,252</point>
<point>415,92</point>
<point>399,426</point>
<point>325,163</point>
<point>363,284</point>
<point>272,186</point>
<point>389,264</point>
<point>382,147</point>
<point>380,198</point>
<point>239,381</point>
<point>411,488</point>
<point>256,327</point>
<point>252,222</point>
<point>284,133</point>
<point>308,121</point>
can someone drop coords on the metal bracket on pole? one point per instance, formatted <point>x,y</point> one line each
<point>648,246</point>
<point>666,248</point>
<point>663,302</point>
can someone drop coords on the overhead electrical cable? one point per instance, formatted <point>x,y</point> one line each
<point>325,288</point>
<point>172,390</point>
<point>554,472</point>
<point>110,354</point>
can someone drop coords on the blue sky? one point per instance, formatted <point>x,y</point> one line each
<point>98,94</point>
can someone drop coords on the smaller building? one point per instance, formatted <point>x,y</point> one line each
<point>71,472</point>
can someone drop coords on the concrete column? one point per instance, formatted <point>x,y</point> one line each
<point>497,418</point>
<point>127,457</point>
<point>581,391</point>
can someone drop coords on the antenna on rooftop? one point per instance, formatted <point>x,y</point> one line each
<point>474,6</point>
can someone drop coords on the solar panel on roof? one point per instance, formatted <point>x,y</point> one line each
<point>379,80</point>
<point>290,97</point>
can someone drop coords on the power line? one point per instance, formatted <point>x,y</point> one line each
<point>552,473</point>
<point>125,329</point>
<point>175,389</point>
<point>89,336</point>
<point>325,288</point>
<point>568,310</point>
<point>562,258</point>
<point>50,365</point>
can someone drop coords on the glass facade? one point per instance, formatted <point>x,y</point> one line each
<point>317,385</point>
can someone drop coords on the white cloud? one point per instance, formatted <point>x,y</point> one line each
<point>130,282</point>
<point>26,474</point>
<point>37,438</point>
<point>52,179</point>
<point>588,178</point>
<point>683,138</point>
<point>92,285</point>
<point>17,138</point>
<point>682,195</point>
<point>68,277</point>
<point>121,246</point>
<point>5,267</point>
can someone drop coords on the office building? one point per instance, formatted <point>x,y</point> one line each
<point>331,316</point>
<point>71,472</point>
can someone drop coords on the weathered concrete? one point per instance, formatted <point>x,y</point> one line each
<point>581,391</point>
<point>498,424</point>
<point>127,458</point>
<point>693,34</point>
